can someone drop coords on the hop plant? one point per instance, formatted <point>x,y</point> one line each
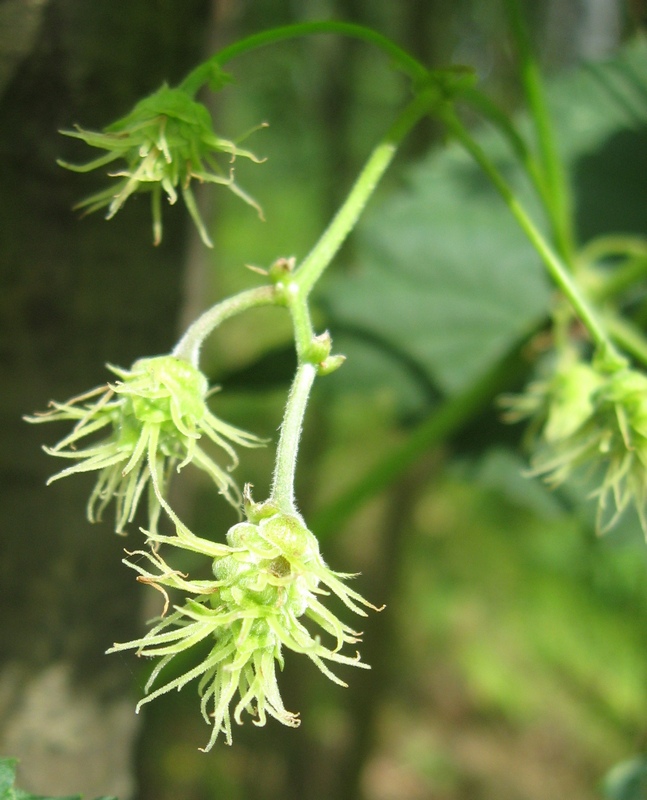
<point>268,578</point>
<point>594,421</point>
<point>152,420</point>
<point>167,141</point>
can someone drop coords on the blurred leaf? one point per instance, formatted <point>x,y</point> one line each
<point>537,627</point>
<point>445,273</point>
<point>596,101</point>
<point>409,389</point>
<point>503,470</point>
<point>627,780</point>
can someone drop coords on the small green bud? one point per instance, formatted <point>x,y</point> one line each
<point>218,78</point>
<point>290,536</point>
<point>571,401</point>
<point>255,512</point>
<point>330,364</point>
<point>319,349</point>
<point>281,269</point>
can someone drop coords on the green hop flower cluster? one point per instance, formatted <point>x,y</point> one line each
<point>152,421</point>
<point>167,141</point>
<point>268,578</point>
<point>585,419</point>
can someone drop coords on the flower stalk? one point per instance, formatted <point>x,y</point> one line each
<point>211,72</point>
<point>188,348</point>
<point>286,453</point>
<point>557,193</point>
<point>313,266</point>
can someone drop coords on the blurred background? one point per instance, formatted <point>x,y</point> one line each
<point>510,662</point>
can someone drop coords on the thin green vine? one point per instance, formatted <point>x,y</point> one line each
<point>212,68</point>
<point>555,266</point>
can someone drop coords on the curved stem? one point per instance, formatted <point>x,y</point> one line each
<point>294,292</point>
<point>556,268</point>
<point>610,245</point>
<point>189,345</point>
<point>201,74</point>
<point>282,493</point>
<point>344,221</point>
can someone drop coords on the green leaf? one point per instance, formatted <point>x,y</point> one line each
<point>7,777</point>
<point>445,274</point>
<point>627,780</point>
<point>502,471</point>
<point>9,792</point>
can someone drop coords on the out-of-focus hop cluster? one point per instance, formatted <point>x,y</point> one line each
<point>269,586</point>
<point>137,430</point>
<point>166,142</point>
<point>591,422</point>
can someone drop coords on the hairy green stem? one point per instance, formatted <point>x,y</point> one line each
<point>301,322</point>
<point>295,291</point>
<point>282,493</point>
<point>205,71</point>
<point>558,197</point>
<point>189,345</point>
<point>556,268</point>
<point>344,221</point>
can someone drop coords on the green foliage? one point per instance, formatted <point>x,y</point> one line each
<point>627,781</point>
<point>446,276</point>
<point>9,792</point>
<point>444,273</point>
<point>531,627</point>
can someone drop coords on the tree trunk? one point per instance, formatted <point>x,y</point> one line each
<point>75,295</point>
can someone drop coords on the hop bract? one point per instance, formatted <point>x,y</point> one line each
<point>593,421</point>
<point>137,429</point>
<point>166,141</point>
<point>270,580</point>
